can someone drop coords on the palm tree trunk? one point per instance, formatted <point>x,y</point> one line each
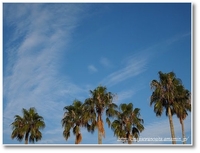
<point>129,140</point>
<point>26,138</point>
<point>99,137</point>
<point>78,138</point>
<point>99,132</point>
<point>183,130</point>
<point>171,125</point>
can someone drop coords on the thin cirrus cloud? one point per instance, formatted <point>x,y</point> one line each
<point>35,45</point>
<point>92,69</point>
<point>123,95</point>
<point>105,62</point>
<point>136,63</point>
<point>133,67</point>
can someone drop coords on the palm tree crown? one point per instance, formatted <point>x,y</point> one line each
<point>73,119</point>
<point>128,124</point>
<point>29,126</point>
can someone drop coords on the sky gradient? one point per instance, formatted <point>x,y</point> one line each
<point>55,53</point>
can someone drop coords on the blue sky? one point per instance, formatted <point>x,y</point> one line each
<point>55,53</point>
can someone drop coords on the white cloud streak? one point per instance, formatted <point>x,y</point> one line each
<point>41,33</point>
<point>122,96</point>
<point>136,64</point>
<point>105,62</point>
<point>133,67</point>
<point>92,69</point>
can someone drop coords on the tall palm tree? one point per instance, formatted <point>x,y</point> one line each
<point>73,119</point>
<point>100,101</point>
<point>164,95</point>
<point>184,105</point>
<point>29,126</point>
<point>128,124</point>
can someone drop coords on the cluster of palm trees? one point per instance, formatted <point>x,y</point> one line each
<point>168,95</point>
<point>127,123</point>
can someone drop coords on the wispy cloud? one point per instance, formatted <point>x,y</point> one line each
<point>122,96</point>
<point>105,62</point>
<point>177,37</point>
<point>92,68</point>
<point>41,34</point>
<point>133,67</point>
<point>137,63</point>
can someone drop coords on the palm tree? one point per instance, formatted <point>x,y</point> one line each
<point>128,124</point>
<point>73,120</point>
<point>29,126</point>
<point>164,95</point>
<point>100,100</point>
<point>184,105</point>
